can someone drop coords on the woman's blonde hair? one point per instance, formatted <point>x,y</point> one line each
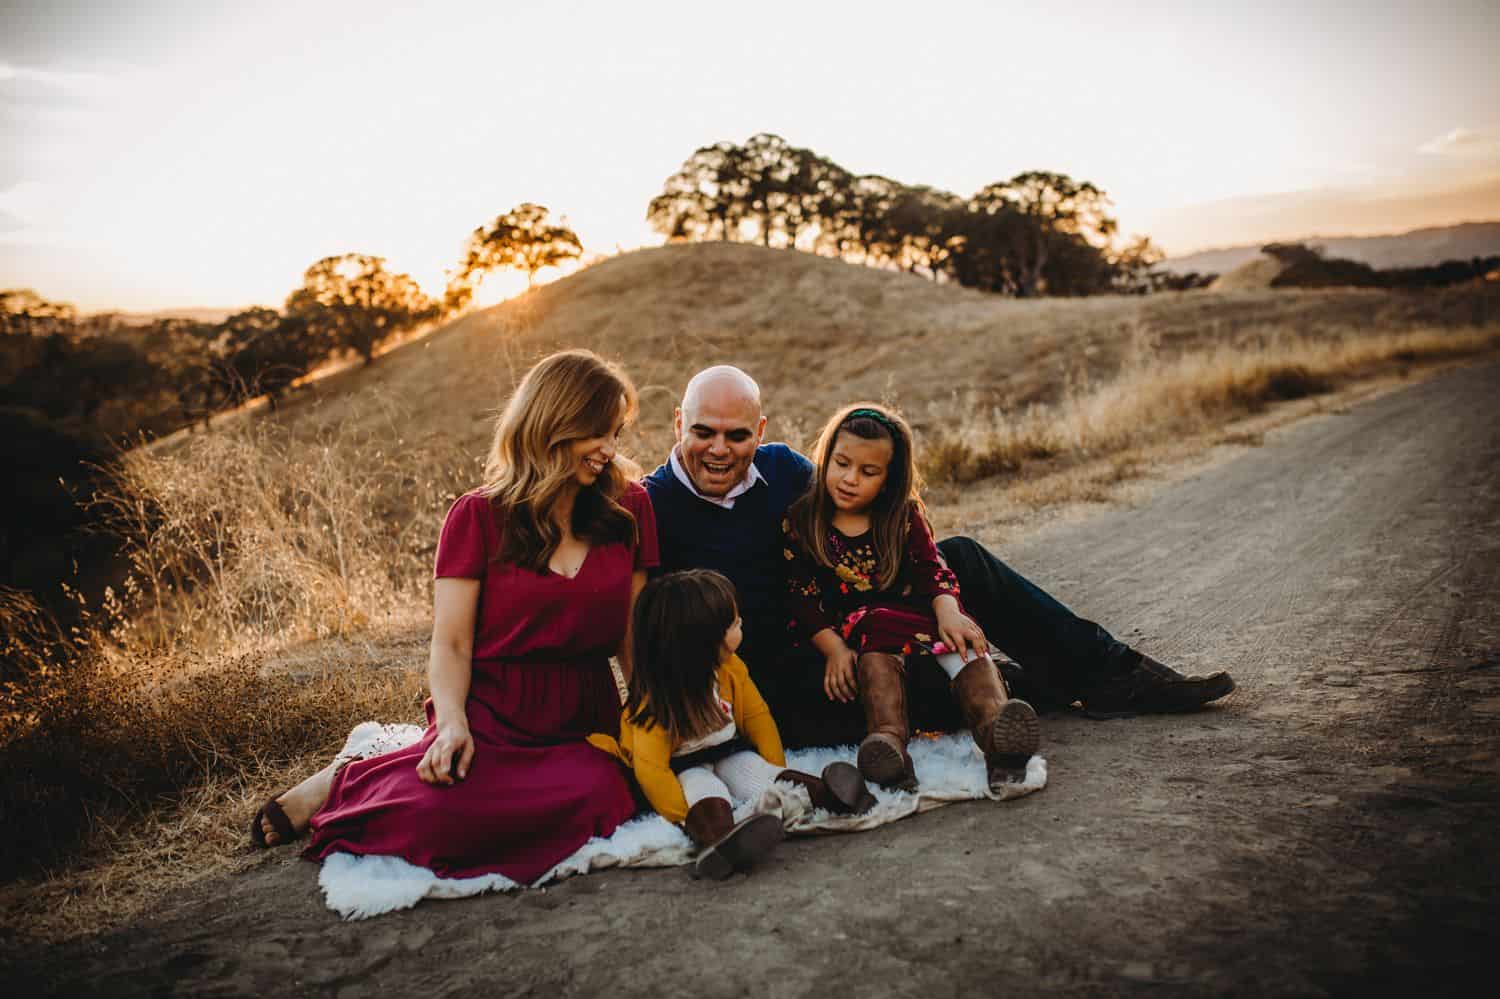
<point>811,516</point>
<point>568,396</point>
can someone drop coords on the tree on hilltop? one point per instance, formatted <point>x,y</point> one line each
<point>1135,266</point>
<point>523,238</point>
<point>1037,233</point>
<point>1056,212</point>
<point>351,301</point>
<point>23,311</point>
<point>261,352</point>
<point>705,199</point>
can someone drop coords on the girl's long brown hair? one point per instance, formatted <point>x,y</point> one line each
<point>565,397</point>
<point>677,642</point>
<point>811,515</point>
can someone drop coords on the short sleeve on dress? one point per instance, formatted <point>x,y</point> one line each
<point>461,550</point>
<point>636,500</point>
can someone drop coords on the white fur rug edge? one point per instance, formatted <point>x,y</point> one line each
<point>949,768</point>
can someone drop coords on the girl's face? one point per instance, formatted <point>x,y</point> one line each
<point>592,455</point>
<point>857,471</point>
<point>733,637</point>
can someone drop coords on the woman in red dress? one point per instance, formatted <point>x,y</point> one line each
<point>535,578</point>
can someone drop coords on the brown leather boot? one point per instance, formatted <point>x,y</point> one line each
<point>841,790</point>
<point>728,846</point>
<point>882,691</point>
<point>1006,731</point>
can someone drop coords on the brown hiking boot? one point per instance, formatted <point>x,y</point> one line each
<point>1006,731</point>
<point>841,790</point>
<point>882,692</point>
<point>729,846</point>
<point>1151,687</point>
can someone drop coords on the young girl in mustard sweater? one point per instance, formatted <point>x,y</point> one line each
<point>697,733</point>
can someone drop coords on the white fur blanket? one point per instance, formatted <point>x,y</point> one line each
<point>949,768</point>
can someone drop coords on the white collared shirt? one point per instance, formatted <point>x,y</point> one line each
<point>727,500</point>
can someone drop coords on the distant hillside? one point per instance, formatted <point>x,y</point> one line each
<point>200,315</point>
<point>815,332</point>
<point>1418,248</point>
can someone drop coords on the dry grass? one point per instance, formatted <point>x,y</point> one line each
<point>279,588</point>
<point>1153,399</point>
<point>130,782</point>
<point>250,536</point>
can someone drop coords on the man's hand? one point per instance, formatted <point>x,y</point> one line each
<point>958,630</point>
<point>838,674</point>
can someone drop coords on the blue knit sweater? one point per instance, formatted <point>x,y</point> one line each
<point>744,543</point>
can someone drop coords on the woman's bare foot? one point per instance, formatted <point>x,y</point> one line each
<point>300,803</point>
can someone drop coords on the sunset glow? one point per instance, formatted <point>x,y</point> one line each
<point>177,156</point>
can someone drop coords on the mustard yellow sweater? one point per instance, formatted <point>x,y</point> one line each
<point>648,750</point>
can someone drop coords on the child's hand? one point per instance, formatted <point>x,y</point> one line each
<point>838,675</point>
<point>960,633</point>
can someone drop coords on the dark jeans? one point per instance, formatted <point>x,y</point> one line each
<point>1057,654</point>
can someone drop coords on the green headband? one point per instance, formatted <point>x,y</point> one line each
<point>877,416</point>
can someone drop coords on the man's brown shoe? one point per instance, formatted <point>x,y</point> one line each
<point>1151,687</point>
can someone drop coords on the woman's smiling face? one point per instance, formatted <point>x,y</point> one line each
<point>592,455</point>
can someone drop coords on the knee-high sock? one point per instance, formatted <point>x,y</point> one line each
<point>952,663</point>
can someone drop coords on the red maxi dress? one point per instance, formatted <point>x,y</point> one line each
<point>541,682</point>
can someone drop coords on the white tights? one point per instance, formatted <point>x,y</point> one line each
<point>744,776</point>
<point>952,663</point>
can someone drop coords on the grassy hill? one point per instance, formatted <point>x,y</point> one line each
<point>817,332</point>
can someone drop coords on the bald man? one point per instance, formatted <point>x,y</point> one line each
<point>719,501</point>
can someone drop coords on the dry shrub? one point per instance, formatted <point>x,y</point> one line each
<point>249,536</point>
<point>104,738</point>
<point>241,544</point>
<point>1154,398</point>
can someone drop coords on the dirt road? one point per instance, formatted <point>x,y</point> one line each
<point>1328,828</point>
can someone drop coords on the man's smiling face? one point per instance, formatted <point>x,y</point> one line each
<point>719,426</point>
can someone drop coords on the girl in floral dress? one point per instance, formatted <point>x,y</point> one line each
<point>870,591</point>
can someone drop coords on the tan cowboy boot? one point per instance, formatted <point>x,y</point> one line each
<point>882,691</point>
<point>841,790</point>
<point>1006,731</point>
<point>728,846</point>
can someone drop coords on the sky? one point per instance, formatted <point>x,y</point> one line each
<point>172,154</point>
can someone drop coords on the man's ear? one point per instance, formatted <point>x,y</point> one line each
<point>677,423</point>
<point>760,432</point>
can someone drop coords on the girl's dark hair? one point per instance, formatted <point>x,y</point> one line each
<point>677,643</point>
<point>811,515</point>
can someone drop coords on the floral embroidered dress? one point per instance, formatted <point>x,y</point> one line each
<point>845,597</point>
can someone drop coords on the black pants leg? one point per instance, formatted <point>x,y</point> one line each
<point>792,684</point>
<point>791,681</point>
<point>1059,652</point>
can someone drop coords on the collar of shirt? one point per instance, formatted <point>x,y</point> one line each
<point>727,500</point>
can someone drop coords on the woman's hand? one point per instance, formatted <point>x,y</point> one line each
<point>958,630</point>
<point>453,744</point>
<point>838,674</point>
